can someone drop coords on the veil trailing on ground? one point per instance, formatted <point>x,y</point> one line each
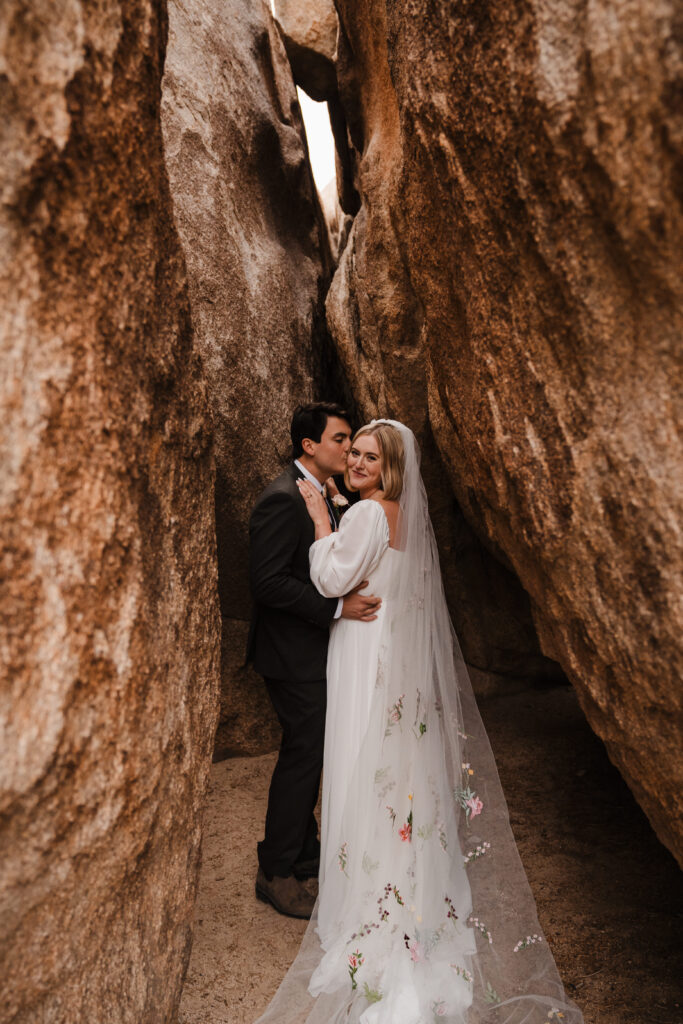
<point>426,914</point>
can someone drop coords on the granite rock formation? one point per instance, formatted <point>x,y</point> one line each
<point>110,639</point>
<point>376,318</point>
<point>338,223</point>
<point>258,266</point>
<point>309,29</point>
<point>514,275</point>
<point>310,34</point>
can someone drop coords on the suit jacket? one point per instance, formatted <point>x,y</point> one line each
<point>290,624</point>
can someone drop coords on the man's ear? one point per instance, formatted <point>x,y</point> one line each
<point>308,446</point>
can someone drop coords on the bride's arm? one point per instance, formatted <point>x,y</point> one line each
<point>343,560</point>
<point>316,507</point>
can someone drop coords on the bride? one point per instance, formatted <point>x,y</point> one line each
<point>424,911</point>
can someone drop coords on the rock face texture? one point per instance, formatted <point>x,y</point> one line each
<point>309,28</point>
<point>258,266</point>
<point>515,271</point>
<point>110,640</point>
<point>376,318</point>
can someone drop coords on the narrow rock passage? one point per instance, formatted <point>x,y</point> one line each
<point>610,896</point>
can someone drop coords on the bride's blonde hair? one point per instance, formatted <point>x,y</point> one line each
<point>392,456</point>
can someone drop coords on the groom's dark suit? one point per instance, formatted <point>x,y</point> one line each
<point>288,644</point>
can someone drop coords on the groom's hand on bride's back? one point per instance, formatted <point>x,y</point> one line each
<point>361,607</point>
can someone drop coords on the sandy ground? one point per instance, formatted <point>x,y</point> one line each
<point>610,897</point>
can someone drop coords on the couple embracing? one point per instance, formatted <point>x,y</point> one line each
<point>423,911</point>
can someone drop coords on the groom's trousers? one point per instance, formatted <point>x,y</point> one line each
<point>291,828</point>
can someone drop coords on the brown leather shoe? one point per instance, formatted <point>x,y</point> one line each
<point>287,895</point>
<point>303,869</point>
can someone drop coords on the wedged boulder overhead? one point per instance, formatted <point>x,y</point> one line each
<point>258,265</point>
<point>309,28</point>
<point>521,163</point>
<point>109,605</point>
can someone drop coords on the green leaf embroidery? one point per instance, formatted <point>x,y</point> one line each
<point>369,865</point>
<point>425,831</point>
<point>491,996</point>
<point>371,994</point>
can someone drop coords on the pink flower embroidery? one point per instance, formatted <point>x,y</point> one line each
<point>475,805</point>
<point>416,953</point>
<point>355,962</point>
<point>406,832</point>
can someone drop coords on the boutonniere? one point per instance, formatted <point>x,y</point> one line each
<point>339,506</point>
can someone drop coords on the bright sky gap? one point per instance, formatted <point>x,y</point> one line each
<point>320,139</point>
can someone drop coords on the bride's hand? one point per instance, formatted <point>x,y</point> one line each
<point>315,503</point>
<point>331,487</point>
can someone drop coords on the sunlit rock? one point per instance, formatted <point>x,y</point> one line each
<point>110,628</point>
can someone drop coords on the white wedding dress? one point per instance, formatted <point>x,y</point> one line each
<point>424,912</point>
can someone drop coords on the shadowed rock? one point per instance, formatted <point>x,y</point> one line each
<point>109,601</point>
<point>258,264</point>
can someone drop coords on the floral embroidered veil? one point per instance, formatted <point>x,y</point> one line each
<point>433,918</point>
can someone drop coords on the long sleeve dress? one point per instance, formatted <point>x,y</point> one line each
<point>424,913</point>
<point>358,858</point>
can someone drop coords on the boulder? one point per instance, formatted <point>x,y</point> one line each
<point>110,637</point>
<point>376,319</point>
<point>518,248</point>
<point>310,33</point>
<point>309,29</point>
<point>338,223</point>
<point>258,264</point>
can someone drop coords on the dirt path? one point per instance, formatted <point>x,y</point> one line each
<point>610,897</point>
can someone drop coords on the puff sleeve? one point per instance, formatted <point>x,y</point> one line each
<point>344,559</point>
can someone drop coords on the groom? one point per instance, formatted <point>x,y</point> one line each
<point>288,643</point>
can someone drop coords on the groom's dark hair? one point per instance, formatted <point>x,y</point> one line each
<point>310,421</point>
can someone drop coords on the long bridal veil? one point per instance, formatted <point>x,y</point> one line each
<point>433,916</point>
